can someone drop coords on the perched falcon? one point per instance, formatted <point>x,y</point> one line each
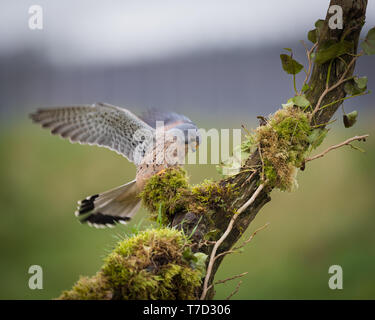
<point>138,139</point>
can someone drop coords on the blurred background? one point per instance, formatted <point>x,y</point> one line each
<point>216,62</point>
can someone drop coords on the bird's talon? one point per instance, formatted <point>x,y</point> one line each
<point>161,172</point>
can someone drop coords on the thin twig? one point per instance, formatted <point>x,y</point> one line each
<point>251,200</point>
<point>229,279</point>
<point>243,243</point>
<point>338,83</point>
<point>308,54</point>
<point>343,99</point>
<point>324,124</point>
<point>235,290</point>
<point>232,278</point>
<point>224,236</point>
<point>247,131</point>
<point>346,142</point>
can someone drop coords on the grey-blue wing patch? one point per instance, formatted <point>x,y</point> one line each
<point>170,119</point>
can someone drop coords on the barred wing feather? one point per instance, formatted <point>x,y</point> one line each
<point>99,124</point>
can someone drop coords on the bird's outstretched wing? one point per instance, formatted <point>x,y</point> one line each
<point>99,124</point>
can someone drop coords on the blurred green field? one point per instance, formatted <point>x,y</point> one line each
<point>329,220</point>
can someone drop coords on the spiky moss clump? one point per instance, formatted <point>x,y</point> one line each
<point>149,265</point>
<point>166,192</point>
<point>169,192</point>
<point>283,142</point>
<point>209,196</point>
<point>94,288</point>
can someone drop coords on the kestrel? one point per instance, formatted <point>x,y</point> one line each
<point>138,139</point>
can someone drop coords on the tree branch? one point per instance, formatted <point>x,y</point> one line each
<point>353,17</point>
<point>345,143</point>
<point>223,225</point>
<point>224,236</point>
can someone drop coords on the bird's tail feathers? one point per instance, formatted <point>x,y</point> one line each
<point>118,205</point>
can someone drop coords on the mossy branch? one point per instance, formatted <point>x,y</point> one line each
<point>203,221</point>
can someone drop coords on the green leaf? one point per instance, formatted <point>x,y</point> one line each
<point>200,262</point>
<point>349,88</point>
<point>188,255</point>
<point>319,24</point>
<point>288,104</point>
<point>368,45</point>
<point>361,82</point>
<point>329,51</point>
<point>356,86</point>
<point>290,65</point>
<point>312,36</point>
<point>300,101</point>
<point>305,87</point>
<point>316,137</point>
<point>288,49</point>
<point>350,119</point>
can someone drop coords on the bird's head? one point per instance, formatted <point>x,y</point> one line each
<point>191,135</point>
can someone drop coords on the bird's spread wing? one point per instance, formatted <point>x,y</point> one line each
<point>98,124</point>
<point>170,119</point>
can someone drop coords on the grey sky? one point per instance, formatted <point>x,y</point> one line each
<point>77,32</point>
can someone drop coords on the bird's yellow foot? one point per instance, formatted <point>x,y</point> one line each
<point>161,171</point>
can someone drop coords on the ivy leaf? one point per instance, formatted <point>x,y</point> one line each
<point>319,24</point>
<point>356,85</point>
<point>368,45</point>
<point>300,101</point>
<point>361,82</point>
<point>288,104</point>
<point>316,137</point>
<point>350,119</point>
<point>330,51</point>
<point>290,65</point>
<point>312,36</point>
<point>200,262</point>
<point>305,87</point>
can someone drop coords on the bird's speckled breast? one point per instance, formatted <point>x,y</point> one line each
<point>151,166</point>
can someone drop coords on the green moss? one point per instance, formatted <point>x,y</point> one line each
<point>166,190</point>
<point>169,192</point>
<point>283,142</point>
<point>209,196</point>
<point>270,172</point>
<point>94,288</point>
<point>149,265</point>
